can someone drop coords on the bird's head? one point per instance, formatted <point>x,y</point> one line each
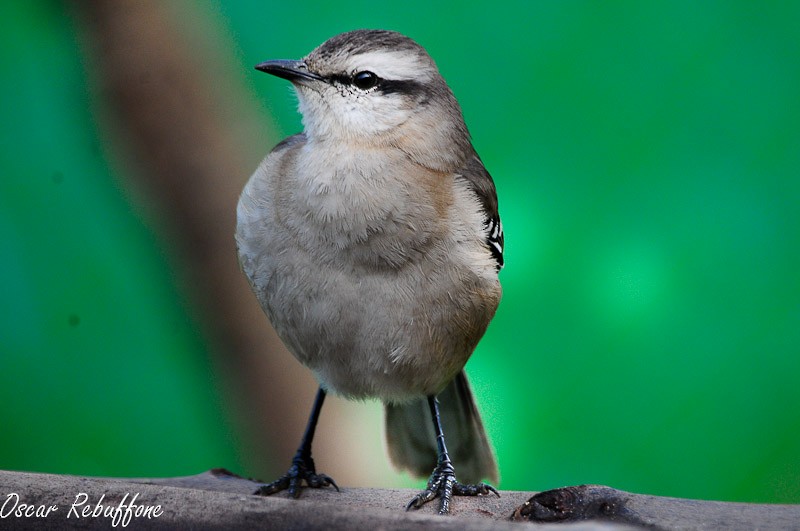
<point>375,88</point>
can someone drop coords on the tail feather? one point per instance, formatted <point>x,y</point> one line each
<point>412,442</point>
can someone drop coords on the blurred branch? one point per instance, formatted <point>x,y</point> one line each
<point>185,136</point>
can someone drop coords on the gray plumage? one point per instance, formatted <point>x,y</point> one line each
<point>372,241</point>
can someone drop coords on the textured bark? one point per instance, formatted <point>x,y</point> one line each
<point>219,500</point>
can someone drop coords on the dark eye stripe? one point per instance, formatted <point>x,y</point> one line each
<point>339,79</point>
<point>386,86</point>
<point>400,86</point>
<point>356,80</point>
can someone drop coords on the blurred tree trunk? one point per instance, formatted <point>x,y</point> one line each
<point>184,137</point>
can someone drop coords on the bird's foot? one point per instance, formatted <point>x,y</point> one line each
<point>443,484</point>
<point>302,469</point>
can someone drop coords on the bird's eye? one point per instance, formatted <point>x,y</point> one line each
<point>365,80</point>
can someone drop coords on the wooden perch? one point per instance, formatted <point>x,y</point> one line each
<point>218,499</point>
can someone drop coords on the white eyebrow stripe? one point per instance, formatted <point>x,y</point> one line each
<point>391,65</point>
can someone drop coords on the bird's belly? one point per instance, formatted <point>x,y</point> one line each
<point>394,334</point>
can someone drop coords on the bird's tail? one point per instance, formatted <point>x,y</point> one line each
<point>412,442</point>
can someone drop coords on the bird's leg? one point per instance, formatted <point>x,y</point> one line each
<point>302,464</point>
<point>442,482</point>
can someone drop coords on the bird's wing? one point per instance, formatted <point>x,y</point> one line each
<point>479,180</point>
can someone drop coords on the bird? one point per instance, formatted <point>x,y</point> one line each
<point>373,243</point>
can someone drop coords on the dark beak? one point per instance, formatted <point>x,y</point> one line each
<point>291,70</point>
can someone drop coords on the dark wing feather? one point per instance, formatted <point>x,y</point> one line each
<point>482,184</point>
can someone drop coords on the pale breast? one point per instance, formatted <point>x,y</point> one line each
<point>368,288</point>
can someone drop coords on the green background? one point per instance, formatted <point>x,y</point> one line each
<point>646,157</point>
